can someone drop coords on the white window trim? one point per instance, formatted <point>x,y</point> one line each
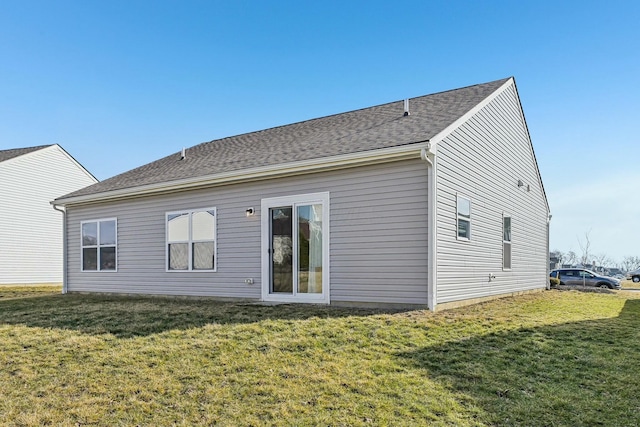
<point>191,241</point>
<point>458,218</point>
<point>510,242</point>
<point>82,246</point>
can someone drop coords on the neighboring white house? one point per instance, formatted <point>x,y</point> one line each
<point>428,202</point>
<point>30,230</point>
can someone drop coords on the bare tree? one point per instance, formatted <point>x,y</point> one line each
<point>558,255</point>
<point>603,260</point>
<point>630,263</point>
<point>585,246</point>
<point>571,257</point>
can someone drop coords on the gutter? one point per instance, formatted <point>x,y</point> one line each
<point>403,152</point>
<point>64,245</point>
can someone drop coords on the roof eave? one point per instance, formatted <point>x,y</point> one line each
<point>403,152</point>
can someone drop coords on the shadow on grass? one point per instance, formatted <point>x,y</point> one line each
<point>582,373</point>
<point>130,316</point>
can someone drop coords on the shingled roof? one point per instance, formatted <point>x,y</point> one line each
<point>368,129</point>
<point>16,152</point>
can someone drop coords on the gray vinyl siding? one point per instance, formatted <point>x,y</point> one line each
<point>31,230</point>
<point>378,237</point>
<point>483,160</point>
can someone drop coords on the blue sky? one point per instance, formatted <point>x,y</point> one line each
<point>122,83</point>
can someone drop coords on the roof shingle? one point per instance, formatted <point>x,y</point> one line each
<point>16,152</point>
<point>372,128</point>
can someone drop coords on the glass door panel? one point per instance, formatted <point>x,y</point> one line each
<point>309,249</point>
<point>281,249</point>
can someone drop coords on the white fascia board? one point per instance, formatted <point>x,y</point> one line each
<point>453,126</point>
<point>510,82</point>
<point>408,151</point>
<point>74,161</point>
<point>535,160</point>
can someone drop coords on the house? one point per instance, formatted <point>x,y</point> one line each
<point>30,231</point>
<point>434,202</point>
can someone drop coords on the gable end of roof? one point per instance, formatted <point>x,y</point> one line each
<point>17,152</point>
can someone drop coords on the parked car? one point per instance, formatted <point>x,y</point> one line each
<point>581,276</point>
<point>634,275</point>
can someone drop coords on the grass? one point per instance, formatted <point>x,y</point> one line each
<point>557,358</point>
<point>22,291</point>
<point>628,284</point>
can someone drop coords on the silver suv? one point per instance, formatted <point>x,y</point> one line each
<point>634,275</point>
<point>582,277</point>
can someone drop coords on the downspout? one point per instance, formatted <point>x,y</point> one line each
<point>64,246</point>
<point>429,157</point>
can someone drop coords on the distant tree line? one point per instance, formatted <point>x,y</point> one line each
<point>587,258</point>
<point>628,262</point>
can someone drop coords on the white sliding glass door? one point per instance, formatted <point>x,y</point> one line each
<point>295,245</point>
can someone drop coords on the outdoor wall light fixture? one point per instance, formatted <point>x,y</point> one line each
<point>250,212</point>
<point>520,183</point>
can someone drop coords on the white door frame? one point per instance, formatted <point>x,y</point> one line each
<point>293,201</point>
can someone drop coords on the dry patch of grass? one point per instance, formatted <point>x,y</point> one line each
<point>23,291</point>
<point>552,358</point>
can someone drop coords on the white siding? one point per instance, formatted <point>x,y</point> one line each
<point>483,159</point>
<point>378,241</point>
<point>30,229</point>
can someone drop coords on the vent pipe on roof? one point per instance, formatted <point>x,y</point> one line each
<point>406,107</point>
<point>183,154</point>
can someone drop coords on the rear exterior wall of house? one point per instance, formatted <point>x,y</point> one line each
<point>378,237</point>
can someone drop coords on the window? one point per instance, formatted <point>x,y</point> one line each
<point>586,274</point>
<point>464,218</point>
<point>506,242</point>
<point>191,240</point>
<point>99,243</point>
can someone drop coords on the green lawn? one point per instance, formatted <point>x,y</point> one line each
<point>556,358</point>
